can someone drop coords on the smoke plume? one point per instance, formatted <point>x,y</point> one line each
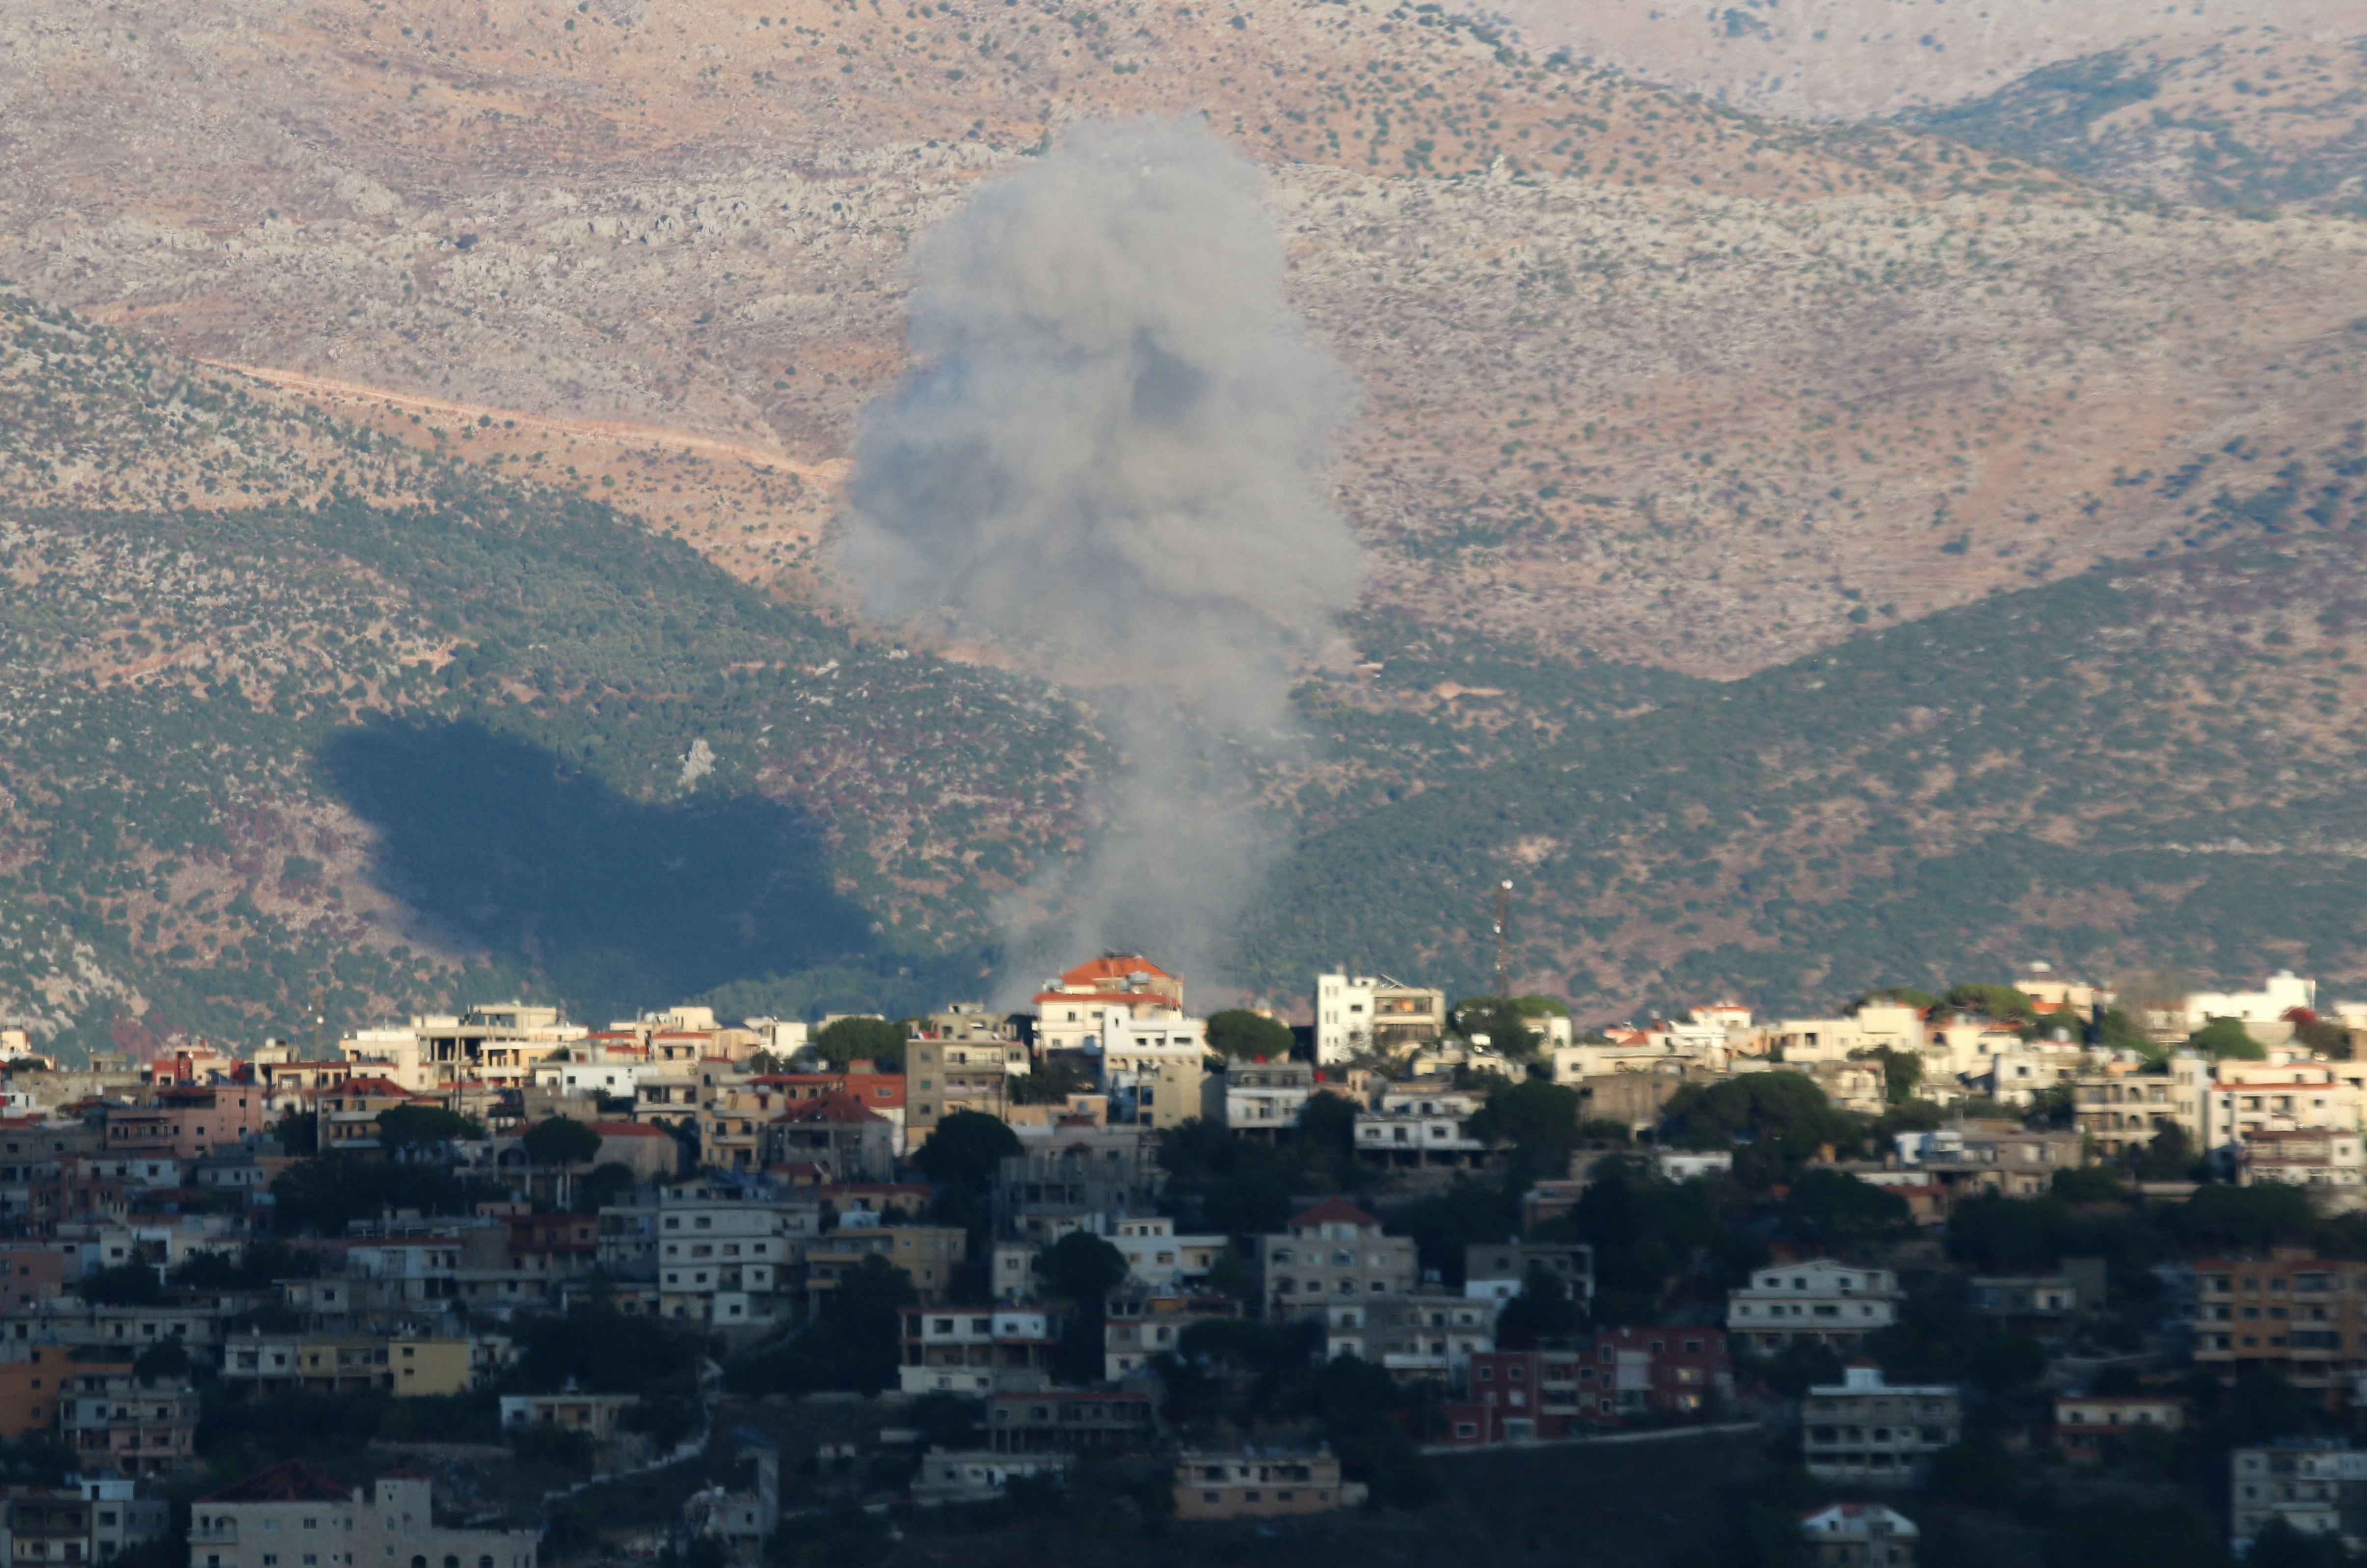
<point>1109,457</point>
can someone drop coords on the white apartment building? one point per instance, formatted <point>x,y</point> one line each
<point>293,1516</point>
<point>1262,1098</point>
<point>1358,1012</point>
<point>2316,1485</point>
<point>1421,1127</point>
<point>1866,1430</point>
<point>1821,1302</point>
<point>1153,1065</point>
<point>2249,1097</point>
<point>976,1350</point>
<point>2283,992</point>
<point>1157,1256</point>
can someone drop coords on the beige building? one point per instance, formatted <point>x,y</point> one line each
<point>1260,1486</point>
<point>492,1043</point>
<point>294,1515</point>
<point>930,1257</point>
<point>1153,1067</point>
<point>1360,1014</point>
<point>1334,1252</point>
<point>961,1059</point>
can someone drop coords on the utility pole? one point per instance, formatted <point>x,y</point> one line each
<point>1503,924</point>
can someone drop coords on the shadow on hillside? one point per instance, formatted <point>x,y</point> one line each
<point>618,905</point>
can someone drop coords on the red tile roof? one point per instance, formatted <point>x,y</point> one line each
<point>1334,1211</point>
<point>290,1480</point>
<point>1116,966</point>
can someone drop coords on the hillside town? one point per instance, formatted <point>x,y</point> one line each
<point>1936,1249</point>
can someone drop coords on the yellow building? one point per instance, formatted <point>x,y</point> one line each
<point>424,1366</point>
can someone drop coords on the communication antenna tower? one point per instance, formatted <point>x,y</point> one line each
<point>1503,925</point>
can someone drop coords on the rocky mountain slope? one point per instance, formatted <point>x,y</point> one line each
<point>1645,379</point>
<point>1851,60</point>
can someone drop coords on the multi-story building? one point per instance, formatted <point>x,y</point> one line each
<point>1084,1186</point>
<point>1360,1014</point>
<point>1156,1255</point>
<point>108,1418</point>
<point>2086,1424</point>
<point>1424,1335</point>
<point>1334,1252</point>
<point>1864,1429</point>
<point>1859,1535</point>
<point>2311,1156</point>
<point>1422,1125</point>
<point>2121,1110</point>
<point>1069,1420</point>
<point>1068,1010</point>
<point>1260,1486</point>
<point>1517,1396</point>
<point>2247,1098</point>
<point>1141,1323</point>
<point>185,1123</point>
<point>930,1257</point>
<point>962,1058</point>
<point>1263,1099</point>
<point>2297,1314</point>
<point>294,1515</point>
<point>835,1137</point>
<point>1990,1157</point>
<point>496,1043</point>
<point>1499,1270</point>
<point>407,1366</point>
<point>976,1350</point>
<point>2316,1485</point>
<point>1153,1065</point>
<point>81,1522</point>
<point>1820,1302</point>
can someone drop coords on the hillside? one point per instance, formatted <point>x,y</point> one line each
<point>1851,60</point>
<point>1930,369</point>
<point>2155,765</point>
<point>2259,120</point>
<point>401,731</point>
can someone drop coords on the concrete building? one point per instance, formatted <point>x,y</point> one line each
<point>2319,1157</point>
<point>1260,1484</point>
<point>80,1522</point>
<point>294,1515</point>
<point>2316,1485</point>
<point>1069,1009</point>
<point>1415,1125</point>
<point>1499,1270</point>
<point>976,1350</point>
<point>1822,1301</point>
<point>110,1418</point>
<point>961,1059</point>
<point>930,1256</point>
<point>947,1476</point>
<point>601,1415</point>
<point>1361,1013</point>
<point>2088,1426</point>
<point>1865,1430</point>
<point>1069,1421</point>
<point>1141,1323</point>
<point>2291,1313</point>
<point>1334,1252</point>
<point>2262,1012</point>
<point>1423,1335</point>
<point>1859,1535</point>
<point>1264,1098</point>
<point>495,1043</point>
<point>1157,1256</point>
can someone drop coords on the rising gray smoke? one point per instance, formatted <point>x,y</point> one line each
<point>1109,457</point>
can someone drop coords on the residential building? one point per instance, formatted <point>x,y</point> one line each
<point>1157,1256</point>
<point>1859,1535</point>
<point>31,1388</point>
<point>1499,1270</point>
<point>1068,1010</point>
<point>1264,1098</point>
<point>2123,1111</point>
<point>1370,1014</point>
<point>1515,1396</point>
<point>408,1366</point>
<point>837,1136</point>
<point>1864,1429</point>
<point>2262,1012</point>
<point>961,1059</point>
<point>600,1414</point>
<point>1066,1421</point>
<point>1085,1184</point>
<point>1821,1302</point>
<point>185,1123</point>
<point>1153,1065</point>
<point>1331,1253</point>
<point>650,1153</point>
<point>1990,1157</point>
<point>930,1256</point>
<point>2086,1425</point>
<point>1423,1335</point>
<point>1139,1322</point>
<point>947,1476</point>
<point>1422,1124</point>
<point>2247,1099</point>
<point>1260,1486</point>
<point>2313,1157</point>
<point>976,1350</point>
<point>2317,1486</point>
<point>140,1426</point>
<point>80,1522</point>
<point>2044,1306</point>
<point>495,1043</point>
<point>294,1515</point>
<point>2297,1314</point>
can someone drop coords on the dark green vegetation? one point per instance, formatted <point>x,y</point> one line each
<point>466,738</point>
<point>591,763</point>
<point>2159,764</point>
